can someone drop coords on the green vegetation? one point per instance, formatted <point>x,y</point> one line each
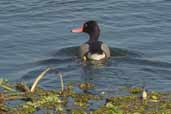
<point>67,101</point>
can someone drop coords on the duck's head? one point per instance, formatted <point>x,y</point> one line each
<point>91,28</point>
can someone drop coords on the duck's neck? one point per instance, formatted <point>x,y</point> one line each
<point>93,37</point>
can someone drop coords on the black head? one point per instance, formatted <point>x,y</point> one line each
<point>91,28</point>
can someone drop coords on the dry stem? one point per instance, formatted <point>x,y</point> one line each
<point>38,79</point>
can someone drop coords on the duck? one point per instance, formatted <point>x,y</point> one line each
<point>93,49</point>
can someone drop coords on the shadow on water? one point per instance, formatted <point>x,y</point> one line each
<point>124,68</point>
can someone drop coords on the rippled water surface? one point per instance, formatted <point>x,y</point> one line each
<point>35,34</point>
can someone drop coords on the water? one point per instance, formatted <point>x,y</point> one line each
<point>35,34</point>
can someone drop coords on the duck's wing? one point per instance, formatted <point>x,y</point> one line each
<point>84,48</point>
<point>105,49</point>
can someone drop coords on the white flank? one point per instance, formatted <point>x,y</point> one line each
<point>96,56</point>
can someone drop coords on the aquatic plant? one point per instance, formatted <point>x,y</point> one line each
<point>66,100</point>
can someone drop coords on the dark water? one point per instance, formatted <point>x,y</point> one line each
<point>35,34</point>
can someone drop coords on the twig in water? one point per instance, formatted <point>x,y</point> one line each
<point>5,86</point>
<point>15,98</point>
<point>144,94</point>
<point>38,79</point>
<point>62,82</point>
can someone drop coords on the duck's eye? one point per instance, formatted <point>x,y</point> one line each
<point>85,25</point>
